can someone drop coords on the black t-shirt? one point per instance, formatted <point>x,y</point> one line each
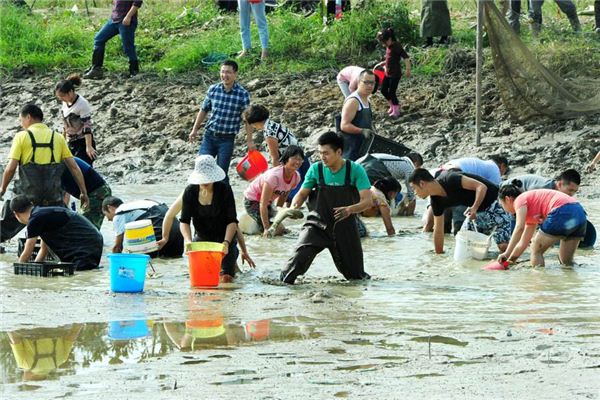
<point>45,219</point>
<point>457,195</point>
<point>210,221</point>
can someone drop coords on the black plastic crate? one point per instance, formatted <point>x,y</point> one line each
<point>45,269</point>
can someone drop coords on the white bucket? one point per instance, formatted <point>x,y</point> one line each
<point>471,244</point>
<point>139,237</point>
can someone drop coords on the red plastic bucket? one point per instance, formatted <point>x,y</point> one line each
<point>380,74</point>
<point>252,165</point>
<point>205,266</point>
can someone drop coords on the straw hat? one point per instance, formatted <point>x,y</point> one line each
<point>206,171</point>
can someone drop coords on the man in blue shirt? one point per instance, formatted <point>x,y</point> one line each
<point>225,102</point>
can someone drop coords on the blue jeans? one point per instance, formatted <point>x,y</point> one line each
<point>219,147</point>
<point>110,30</point>
<point>260,17</point>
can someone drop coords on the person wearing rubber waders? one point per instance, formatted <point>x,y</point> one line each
<point>337,190</point>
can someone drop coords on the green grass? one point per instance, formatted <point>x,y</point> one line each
<point>54,38</point>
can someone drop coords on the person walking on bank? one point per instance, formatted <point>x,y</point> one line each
<point>357,118</point>
<point>566,6</point>
<point>339,189</point>
<point>225,101</point>
<point>393,71</point>
<point>257,8</point>
<point>123,21</point>
<point>435,21</point>
<point>77,118</point>
<point>41,156</point>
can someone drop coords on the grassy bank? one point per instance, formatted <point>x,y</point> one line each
<point>172,41</point>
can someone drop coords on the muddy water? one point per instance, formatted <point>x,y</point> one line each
<point>424,327</point>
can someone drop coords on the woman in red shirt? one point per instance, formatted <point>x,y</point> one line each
<point>393,71</point>
<point>559,216</point>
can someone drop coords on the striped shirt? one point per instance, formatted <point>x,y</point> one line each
<point>225,107</point>
<point>400,168</point>
<point>284,136</point>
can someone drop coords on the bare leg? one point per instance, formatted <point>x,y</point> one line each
<point>541,242</point>
<point>567,250</point>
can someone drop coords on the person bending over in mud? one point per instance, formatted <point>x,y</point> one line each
<point>69,235</point>
<point>338,190</point>
<point>567,182</point>
<point>559,216</point>
<point>452,189</point>
<point>383,192</point>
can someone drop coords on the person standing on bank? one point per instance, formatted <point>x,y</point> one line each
<point>435,21</point>
<point>339,189</point>
<point>123,21</point>
<point>256,7</point>
<point>393,71</point>
<point>41,156</point>
<point>209,205</point>
<point>77,118</point>
<point>357,118</point>
<point>69,235</point>
<point>225,102</point>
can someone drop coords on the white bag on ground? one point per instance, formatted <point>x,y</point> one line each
<point>471,244</point>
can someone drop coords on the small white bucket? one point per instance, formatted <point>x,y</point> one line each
<point>139,237</point>
<point>471,244</point>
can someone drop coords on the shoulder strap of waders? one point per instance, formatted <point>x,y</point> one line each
<point>36,146</point>
<point>321,175</point>
<point>348,171</point>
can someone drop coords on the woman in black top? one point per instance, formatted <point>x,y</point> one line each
<point>208,203</point>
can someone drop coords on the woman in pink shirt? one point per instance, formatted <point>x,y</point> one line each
<point>559,216</point>
<point>276,183</point>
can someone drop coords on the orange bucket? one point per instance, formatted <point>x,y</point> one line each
<point>258,331</point>
<point>205,263</point>
<point>252,165</point>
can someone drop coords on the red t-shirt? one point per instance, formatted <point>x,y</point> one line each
<point>540,203</point>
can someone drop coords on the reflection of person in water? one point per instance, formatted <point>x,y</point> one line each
<point>40,351</point>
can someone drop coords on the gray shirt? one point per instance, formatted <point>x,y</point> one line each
<point>531,182</point>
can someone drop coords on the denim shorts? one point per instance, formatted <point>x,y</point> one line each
<point>567,221</point>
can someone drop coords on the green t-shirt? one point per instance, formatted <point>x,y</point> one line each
<point>358,177</point>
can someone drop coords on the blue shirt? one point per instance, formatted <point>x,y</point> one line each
<point>92,179</point>
<point>225,107</point>
<point>475,166</point>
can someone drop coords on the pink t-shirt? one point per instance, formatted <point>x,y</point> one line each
<point>274,178</point>
<point>350,74</point>
<point>540,203</point>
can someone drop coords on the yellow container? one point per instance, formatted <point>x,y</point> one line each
<point>139,237</point>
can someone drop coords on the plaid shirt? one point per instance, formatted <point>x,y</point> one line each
<point>225,107</point>
<point>121,8</point>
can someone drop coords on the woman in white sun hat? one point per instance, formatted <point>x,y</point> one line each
<point>208,203</point>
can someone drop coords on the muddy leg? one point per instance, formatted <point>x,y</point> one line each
<point>567,250</point>
<point>541,242</point>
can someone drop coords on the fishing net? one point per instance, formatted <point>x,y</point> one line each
<point>529,89</point>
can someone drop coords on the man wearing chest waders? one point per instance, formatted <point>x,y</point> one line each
<point>338,190</point>
<point>41,156</point>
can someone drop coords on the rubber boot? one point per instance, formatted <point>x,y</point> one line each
<point>134,68</point>
<point>575,24</point>
<point>428,42</point>
<point>96,71</point>
<point>395,111</point>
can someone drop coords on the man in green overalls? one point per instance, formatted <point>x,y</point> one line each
<point>39,153</point>
<point>338,190</point>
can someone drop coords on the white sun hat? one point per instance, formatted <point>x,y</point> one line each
<point>206,171</point>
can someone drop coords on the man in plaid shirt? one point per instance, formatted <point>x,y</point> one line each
<point>225,101</point>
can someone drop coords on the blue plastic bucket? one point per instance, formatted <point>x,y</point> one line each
<point>127,272</point>
<point>126,330</point>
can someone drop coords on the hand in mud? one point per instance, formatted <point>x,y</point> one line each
<point>502,257</point>
<point>162,242</point>
<point>91,152</point>
<point>246,257</point>
<point>341,213</point>
<point>591,167</point>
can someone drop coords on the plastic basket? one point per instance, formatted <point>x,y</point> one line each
<point>44,269</point>
<point>471,244</point>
